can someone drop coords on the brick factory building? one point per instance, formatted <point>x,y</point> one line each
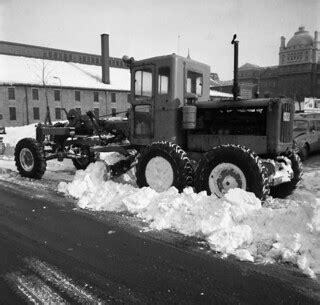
<point>32,77</point>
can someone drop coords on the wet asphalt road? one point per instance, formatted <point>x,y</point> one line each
<point>52,252</point>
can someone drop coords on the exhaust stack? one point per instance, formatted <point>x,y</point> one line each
<point>235,88</point>
<point>105,64</point>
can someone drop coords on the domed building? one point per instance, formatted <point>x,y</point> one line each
<point>298,72</point>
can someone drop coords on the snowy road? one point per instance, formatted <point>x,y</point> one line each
<point>54,252</point>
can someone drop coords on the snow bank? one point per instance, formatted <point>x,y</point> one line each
<point>236,224</point>
<point>14,134</point>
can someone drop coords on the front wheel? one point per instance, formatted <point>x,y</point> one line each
<point>30,159</point>
<point>231,166</point>
<point>85,159</point>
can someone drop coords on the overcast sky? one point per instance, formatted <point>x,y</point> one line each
<point>146,28</point>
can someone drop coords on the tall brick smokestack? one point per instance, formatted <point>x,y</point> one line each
<point>105,58</point>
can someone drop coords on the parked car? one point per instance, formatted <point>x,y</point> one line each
<point>306,133</point>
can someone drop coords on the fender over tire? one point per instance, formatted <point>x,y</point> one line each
<point>285,189</point>
<point>172,158</point>
<point>304,152</point>
<point>30,159</point>
<point>229,166</point>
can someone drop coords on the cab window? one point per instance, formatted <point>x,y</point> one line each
<point>163,80</point>
<point>143,84</point>
<point>194,83</point>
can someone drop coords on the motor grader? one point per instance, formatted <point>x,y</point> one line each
<point>176,136</point>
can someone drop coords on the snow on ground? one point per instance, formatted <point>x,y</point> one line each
<point>286,230</point>
<point>282,230</point>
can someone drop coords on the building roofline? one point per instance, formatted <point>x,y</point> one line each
<point>59,87</point>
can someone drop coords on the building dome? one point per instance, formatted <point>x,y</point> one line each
<point>300,38</point>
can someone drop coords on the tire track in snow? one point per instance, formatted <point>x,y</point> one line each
<point>41,283</point>
<point>61,282</point>
<point>33,289</point>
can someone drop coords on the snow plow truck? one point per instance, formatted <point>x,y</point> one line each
<point>176,136</point>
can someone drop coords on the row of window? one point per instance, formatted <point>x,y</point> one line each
<point>295,56</point>
<point>58,113</point>
<point>57,95</point>
<point>72,57</point>
<point>86,59</point>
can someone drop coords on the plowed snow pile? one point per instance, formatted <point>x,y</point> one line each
<point>285,230</point>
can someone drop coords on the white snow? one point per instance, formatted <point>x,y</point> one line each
<point>216,93</point>
<point>286,230</point>
<point>24,70</point>
<point>14,134</point>
<point>283,230</point>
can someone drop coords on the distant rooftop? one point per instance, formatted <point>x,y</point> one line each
<point>25,70</point>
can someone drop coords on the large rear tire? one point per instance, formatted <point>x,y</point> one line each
<point>162,165</point>
<point>30,159</point>
<point>231,166</point>
<point>285,189</point>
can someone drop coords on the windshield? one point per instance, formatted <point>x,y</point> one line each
<point>143,84</point>
<point>300,126</point>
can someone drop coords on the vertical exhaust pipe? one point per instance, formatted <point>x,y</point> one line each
<point>105,58</point>
<point>235,88</point>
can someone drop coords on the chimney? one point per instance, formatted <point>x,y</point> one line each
<point>105,58</point>
<point>316,38</point>
<point>283,42</point>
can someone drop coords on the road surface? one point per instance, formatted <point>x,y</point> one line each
<point>50,251</point>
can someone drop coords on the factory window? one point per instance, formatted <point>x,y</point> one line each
<point>11,93</point>
<point>65,57</point>
<point>77,96</point>
<point>143,83</point>
<point>163,80</point>
<point>113,111</point>
<point>96,112</point>
<point>35,94</point>
<point>55,55</point>
<point>57,95</point>
<point>194,83</point>
<point>50,54</point>
<point>97,60</point>
<point>70,57</point>
<point>96,96</point>
<point>113,97</point>
<point>78,110</point>
<point>58,113</point>
<point>36,113</point>
<point>12,113</point>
